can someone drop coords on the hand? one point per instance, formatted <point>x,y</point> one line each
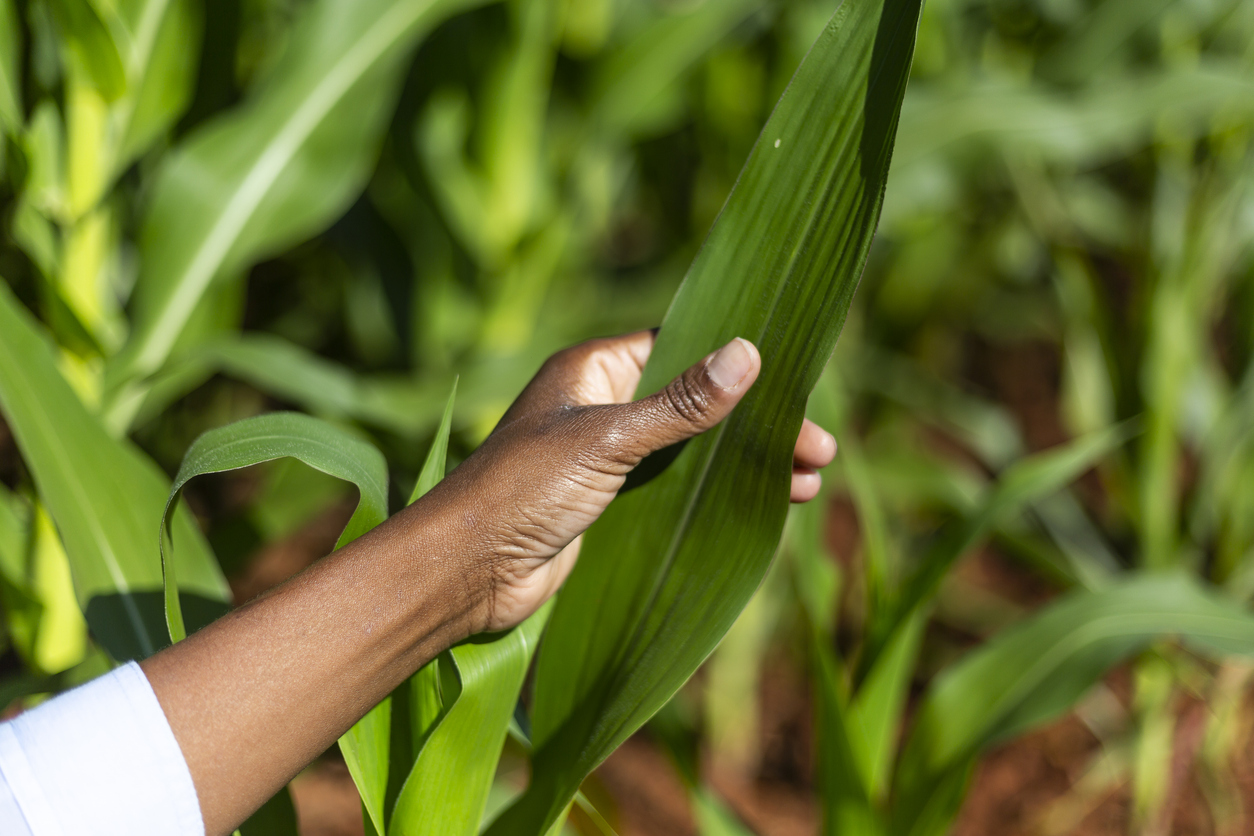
<point>562,452</point>
<point>300,664</point>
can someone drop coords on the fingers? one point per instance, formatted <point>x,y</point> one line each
<point>593,372</point>
<point>806,484</point>
<point>815,446</point>
<point>691,403</point>
<point>815,449</point>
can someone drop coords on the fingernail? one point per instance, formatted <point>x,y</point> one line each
<point>730,365</point>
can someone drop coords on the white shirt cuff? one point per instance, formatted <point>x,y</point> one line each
<point>100,760</point>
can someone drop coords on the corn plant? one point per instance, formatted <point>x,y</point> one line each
<point>437,190</point>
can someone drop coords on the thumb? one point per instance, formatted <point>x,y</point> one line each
<point>691,403</point>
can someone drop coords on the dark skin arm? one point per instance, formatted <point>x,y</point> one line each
<point>256,696</point>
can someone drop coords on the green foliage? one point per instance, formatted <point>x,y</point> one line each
<point>266,438</point>
<point>1036,670</point>
<point>100,492</point>
<point>642,609</point>
<point>282,167</point>
<point>221,210</point>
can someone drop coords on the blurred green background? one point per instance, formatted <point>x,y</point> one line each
<point>1065,245</point>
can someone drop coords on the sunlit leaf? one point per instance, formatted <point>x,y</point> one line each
<point>448,788</point>
<point>273,436</point>
<point>1037,669</point>
<point>271,172</point>
<point>323,447</point>
<point>779,268</point>
<point>10,82</point>
<point>105,497</point>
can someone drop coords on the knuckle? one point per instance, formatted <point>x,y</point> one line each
<point>687,400</point>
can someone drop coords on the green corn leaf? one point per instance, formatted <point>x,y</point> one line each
<point>434,467</point>
<point>323,447</point>
<point>1025,482</point>
<point>843,781</point>
<point>671,564</point>
<point>104,496</point>
<point>398,404</point>
<point>382,746</point>
<point>875,712</point>
<point>265,438</point>
<point>281,368</point>
<point>455,754</point>
<point>91,45</point>
<point>271,172</point>
<point>156,43</point>
<point>447,790</point>
<point>1037,669</point>
<point>630,80</point>
<point>160,61</point>
<point>10,82</point>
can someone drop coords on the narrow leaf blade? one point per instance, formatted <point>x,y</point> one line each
<point>669,566</point>
<point>104,496</point>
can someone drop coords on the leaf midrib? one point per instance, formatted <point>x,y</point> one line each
<point>388,30</point>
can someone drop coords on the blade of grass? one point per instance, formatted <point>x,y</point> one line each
<point>1037,669</point>
<point>283,165</point>
<point>1023,483</point>
<point>668,568</point>
<point>333,451</point>
<point>104,496</point>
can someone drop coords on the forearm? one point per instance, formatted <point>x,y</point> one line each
<point>257,695</point>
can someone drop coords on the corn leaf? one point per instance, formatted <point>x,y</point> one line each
<point>104,496</point>
<point>384,744</point>
<point>91,45</point>
<point>1027,481</point>
<point>159,57</point>
<point>271,172</point>
<point>265,438</point>
<point>283,369</point>
<point>671,564</point>
<point>842,775</point>
<point>875,712</point>
<point>434,467</point>
<point>10,82</point>
<point>442,751</point>
<point>1037,669</point>
<point>447,790</point>
<point>333,451</point>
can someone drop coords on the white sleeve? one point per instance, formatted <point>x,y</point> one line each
<point>100,760</point>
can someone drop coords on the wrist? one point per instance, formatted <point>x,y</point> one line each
<point>445,566</point>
